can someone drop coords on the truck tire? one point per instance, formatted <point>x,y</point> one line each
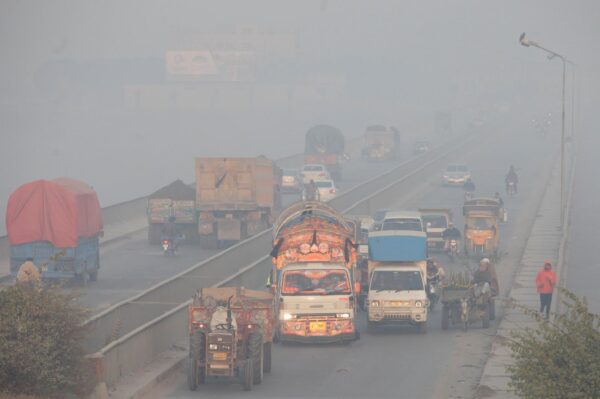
<point>247,376</point>
<point>267,357</point>
<point>192,374</point>
<point>445,317</point>
<point>371,326</point>
<point>422,327</point>
<point>256,355</point>
<point>208,242</point>
<point>94,275</point>
<point>196,355</point>
<point>492,309</point>
<point>485,321</point>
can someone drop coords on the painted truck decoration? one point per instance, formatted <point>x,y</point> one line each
<point>314,257</point>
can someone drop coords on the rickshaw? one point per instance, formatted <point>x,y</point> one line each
<point>481,233</point>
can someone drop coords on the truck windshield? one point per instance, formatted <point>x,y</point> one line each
<point>315,282</point>
<point>396,280</point>
<point>435,221</point>
<point>480,223</point>
<point>402,224</point>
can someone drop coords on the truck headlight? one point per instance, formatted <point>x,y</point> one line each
<point>213,347</point>
<point>418,304</point>
<point>287,316</point>
<point>343,315</point>
<point>374,304</point>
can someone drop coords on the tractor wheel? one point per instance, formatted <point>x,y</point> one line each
<point>445,317</point>
<point>247,376</point>
<point>267,357</point>
<point>197,348</point>
<point>256,355</point>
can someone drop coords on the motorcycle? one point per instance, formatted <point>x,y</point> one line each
<point>510,188</point>
<point>168,247</point>
<point>433,284</point>
<point>452,249</point>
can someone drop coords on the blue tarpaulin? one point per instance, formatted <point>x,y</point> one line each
<point>389,246</point>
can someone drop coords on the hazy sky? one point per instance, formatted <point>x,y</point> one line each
<point>67,68</point>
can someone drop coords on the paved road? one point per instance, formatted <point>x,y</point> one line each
<point>582,273</point>
<point>397,362</point>
<point>131,265</point>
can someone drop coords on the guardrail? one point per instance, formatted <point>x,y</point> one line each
<point>167,301</point>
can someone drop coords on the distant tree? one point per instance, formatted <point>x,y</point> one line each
<point>561,357</point>
<point>40,343</point>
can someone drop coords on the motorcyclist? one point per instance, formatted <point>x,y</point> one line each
<point>511,177</point>
<point>451,233</point>
<point>487,273</point>
<point>169,231</point>
<point>311,191</point>
<point>435,271</point>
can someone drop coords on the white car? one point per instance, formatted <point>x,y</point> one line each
<point>314,172</point>
<point>327,190</point>
<point>456,174</point>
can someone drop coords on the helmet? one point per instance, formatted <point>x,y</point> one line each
<point>484,261</point>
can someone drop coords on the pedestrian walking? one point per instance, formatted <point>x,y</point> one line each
<point>545,282</point>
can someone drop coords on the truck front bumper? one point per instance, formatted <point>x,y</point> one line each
<point>315,331</point>
<point>397,315</point>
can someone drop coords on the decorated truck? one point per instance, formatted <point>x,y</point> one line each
<point>235,198</point>
<point>397,278</point>
<point>314,274</point>
<point>325,146</point>
<point>176,200</point>
<point>56,223</point>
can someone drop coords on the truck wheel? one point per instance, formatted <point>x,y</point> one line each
<point>256,355</point>
<point>192,374</point>
<point>267,357</point>
<point>208,242</point>
<point>247,376</point>
<point>196,354</point>
<point>492,309</point>
<point>445,317</point>
<point>486,318</point>
<point>422,327</point>
<point>371,326</point>
<point>94,275</point>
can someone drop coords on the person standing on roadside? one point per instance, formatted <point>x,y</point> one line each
<point>545,282</point>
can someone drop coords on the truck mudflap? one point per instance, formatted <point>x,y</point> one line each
<point>229,230</point>
<point>318,330</point>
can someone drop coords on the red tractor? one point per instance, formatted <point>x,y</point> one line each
<point>231,330</point>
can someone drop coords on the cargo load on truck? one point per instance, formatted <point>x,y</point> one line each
<point>176,200</point>
<point>397,278</point>
<point>231,334</point>
<point>381,143</point>
<point>57,223</point>
<point>325,146</point>
<point>314,274</point>
<point>235,198</point>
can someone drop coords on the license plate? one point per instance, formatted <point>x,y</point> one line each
<point>220,356</point>
<point>318,326</point>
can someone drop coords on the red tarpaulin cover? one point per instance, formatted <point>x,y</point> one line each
<point>59,211</point>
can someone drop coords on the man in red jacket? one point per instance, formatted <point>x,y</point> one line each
<point>545,282</point>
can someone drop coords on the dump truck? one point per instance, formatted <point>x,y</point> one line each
<point>235,198</point>
<point>381,143</point>
<point>176,200</point>
<point>230,332</point>
<point>314,276</point>
<point>57,223</point>
<point>325,146</point>
<point>397,279</point>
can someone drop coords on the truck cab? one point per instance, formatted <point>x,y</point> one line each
<point>316,303</point>
<point>397,279</point>
<point>435,221</point>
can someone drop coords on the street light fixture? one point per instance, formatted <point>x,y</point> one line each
<point>551,54</point>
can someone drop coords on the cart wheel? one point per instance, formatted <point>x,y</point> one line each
<point>267,357</point>
<point>486,318</point>
<point>247,376</point>
<point>445,317</point>
<point>492,309</point>
<point>256,354</point>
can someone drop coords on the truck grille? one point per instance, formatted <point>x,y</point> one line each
<point>397,316</point>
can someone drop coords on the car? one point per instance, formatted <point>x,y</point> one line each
<point>314,172</point>
<point>327,190</point>
<point>403,220</point>
<point>291,180</point>
<point>456,174</point>
<point>421,146</point>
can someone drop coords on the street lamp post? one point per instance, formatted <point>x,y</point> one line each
<point>528,43</point>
